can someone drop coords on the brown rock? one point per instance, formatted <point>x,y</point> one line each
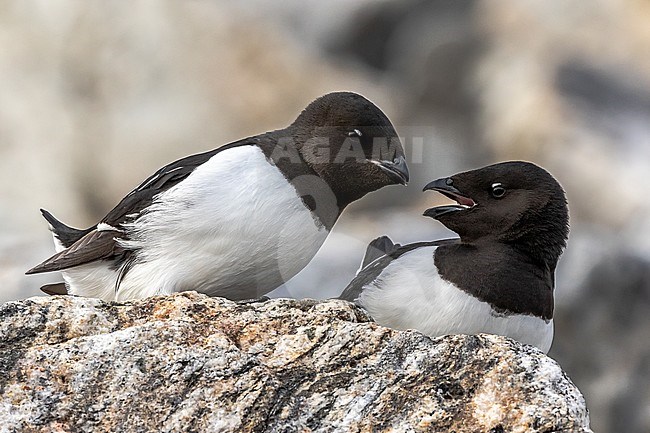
<point>187,362</point>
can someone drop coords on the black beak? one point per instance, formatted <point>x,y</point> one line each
<point>397,169</point>
<point>443,185</point>
<point>437,211</point>
<point>446,186</point>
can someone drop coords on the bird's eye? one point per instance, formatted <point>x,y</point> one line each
<point>354,133</point>
<point>497,190</point>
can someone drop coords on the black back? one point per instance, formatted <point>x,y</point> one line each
<point>370,272</point>
<point>163,179</point>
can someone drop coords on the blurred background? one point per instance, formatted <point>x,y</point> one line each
<point>95,96</point>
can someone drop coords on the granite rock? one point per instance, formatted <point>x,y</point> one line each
<point>187,362</point>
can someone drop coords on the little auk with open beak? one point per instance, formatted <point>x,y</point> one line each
<point>497,277</point>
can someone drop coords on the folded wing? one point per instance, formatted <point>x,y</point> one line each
<point>96,245</point>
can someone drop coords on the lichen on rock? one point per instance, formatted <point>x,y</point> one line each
<point>187,362</point>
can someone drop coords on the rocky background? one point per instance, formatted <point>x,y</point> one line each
<point>94,96</point>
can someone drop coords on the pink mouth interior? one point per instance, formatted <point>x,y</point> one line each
<point>464,201</point>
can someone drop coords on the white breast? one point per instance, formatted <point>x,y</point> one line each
<point>235,227</point>
<point>410,294</point>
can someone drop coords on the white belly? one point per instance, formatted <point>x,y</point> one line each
<point>410,294</point>
<point>235,227</point>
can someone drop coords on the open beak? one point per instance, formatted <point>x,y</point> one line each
<point>396,169</point>
<point>446,187</point>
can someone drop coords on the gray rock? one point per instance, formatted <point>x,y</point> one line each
<point>187,362</point>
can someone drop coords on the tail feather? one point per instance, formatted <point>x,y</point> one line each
<point>55,289</point>
<point>65,235</point>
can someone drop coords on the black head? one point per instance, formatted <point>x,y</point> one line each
<point>514,202</point>
<point>351,144</point>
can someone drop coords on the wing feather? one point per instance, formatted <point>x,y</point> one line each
<point>375,267</point>
<point>163,179</point>
<point>96,245</point>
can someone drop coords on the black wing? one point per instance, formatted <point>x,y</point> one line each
<point>377,248</point>
<point>96,245</point>
<point>93,244</point>
<point>370,272</point>
<point>160,181</point>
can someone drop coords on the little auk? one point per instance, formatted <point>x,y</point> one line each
<point>497,277</point>
<point>237,221</point>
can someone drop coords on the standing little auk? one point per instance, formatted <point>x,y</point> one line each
<point>497,278</point>
<point>237,221</point>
